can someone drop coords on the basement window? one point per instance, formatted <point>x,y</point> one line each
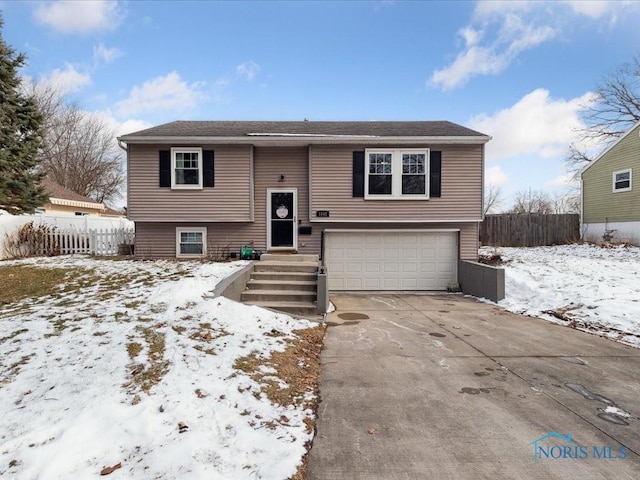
<point>191,242</point>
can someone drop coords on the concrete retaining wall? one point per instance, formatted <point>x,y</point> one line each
<point>481,280</point>
<point>322,299</point>
<point>233,286</point>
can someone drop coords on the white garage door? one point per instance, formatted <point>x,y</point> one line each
<point>402,260</point>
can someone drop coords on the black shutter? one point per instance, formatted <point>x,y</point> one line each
<point>435,169</point>
<point>208,171</point>
<point>165,168</point>
<point>358,174</point>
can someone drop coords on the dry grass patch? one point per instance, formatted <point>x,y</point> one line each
<point>25,282</point>
<point>299,368</point>
<point>133,349</point>
<point>13,335</point>
<point>145,377</point>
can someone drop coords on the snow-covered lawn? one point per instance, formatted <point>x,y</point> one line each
<point>131,365</point>
<point>592,288</point>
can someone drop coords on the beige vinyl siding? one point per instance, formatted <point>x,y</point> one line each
<point>269,164</point>
<point>332,177</point>
<point>228,201</point>
<point>159,239</point>
<point>600,204</point>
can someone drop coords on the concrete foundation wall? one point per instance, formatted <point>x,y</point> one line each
<point>627,232</point>
<point>481,280</point>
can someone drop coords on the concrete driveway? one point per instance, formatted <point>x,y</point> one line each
<point>443,386</point>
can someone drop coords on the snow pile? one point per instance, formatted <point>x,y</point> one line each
<point>592,288</point>
<point>135,371</point>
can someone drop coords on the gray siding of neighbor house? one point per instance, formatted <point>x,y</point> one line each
<point>158,239</point>
<point>462,166</point>
<point>600,204</point>
<point>228,201</point>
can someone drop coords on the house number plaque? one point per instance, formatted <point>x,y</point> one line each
<point>322,213</point>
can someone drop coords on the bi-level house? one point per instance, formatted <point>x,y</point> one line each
<point>387,205</point>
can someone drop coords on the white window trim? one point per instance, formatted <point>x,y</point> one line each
<point>178,186</point>
<point>202,230</point>
<point>626,189</point>
<point>396,174</point>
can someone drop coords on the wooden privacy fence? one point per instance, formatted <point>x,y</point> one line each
<point>90,242</point>
<point>529,229</point>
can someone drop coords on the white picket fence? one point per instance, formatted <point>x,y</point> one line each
<point>89,242</point>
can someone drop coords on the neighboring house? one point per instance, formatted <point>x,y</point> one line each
<point>389,205</point>
<point>110,212</point>
<point>63,201</point>
<point>611,194</point>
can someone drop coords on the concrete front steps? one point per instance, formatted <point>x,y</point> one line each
<point>284,282</point>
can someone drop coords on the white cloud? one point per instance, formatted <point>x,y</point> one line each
<point>536,125</point>
<point>132,125</point>
<point>593,8</point>
<point>79,17</point>
<point>495,176</point>
<point>500,31</point>
<point>167,92</point>
<point>567,179</point>
<point>102,54</point>
<point>483,55</point>
<point>66,81</point>
<point>249,70</point>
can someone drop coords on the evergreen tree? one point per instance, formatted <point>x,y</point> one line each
<point>20,138</point>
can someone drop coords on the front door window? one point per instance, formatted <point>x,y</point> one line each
<point>282,219</point>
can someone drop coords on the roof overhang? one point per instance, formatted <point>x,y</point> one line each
<point>277,140</point>
<point>75,203</point>
<point>609,148</point>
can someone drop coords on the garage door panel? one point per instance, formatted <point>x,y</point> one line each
<point>370,252</point>
<point>391,260</point>
<point>371,267</point>
<point>390,268</point>
<point>409,267</point>
<point>354,268</point>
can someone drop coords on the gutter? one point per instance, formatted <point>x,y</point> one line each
<point>266,140</point>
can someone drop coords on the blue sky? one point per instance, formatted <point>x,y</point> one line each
<point>518,71</point>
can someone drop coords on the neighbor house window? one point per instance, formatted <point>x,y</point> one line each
<point>622,181</point>
<point>396,174</point>
<point>191,242</point>
<point>186,168</point>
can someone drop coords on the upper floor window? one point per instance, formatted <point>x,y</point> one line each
<point>396,174</point>
<point>622,181</point>
<point>186,168</point>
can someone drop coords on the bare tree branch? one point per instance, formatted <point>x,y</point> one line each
<point>493,198</point>
<point>529,201</point>
<point>79,150</point>
<point>614,109</point>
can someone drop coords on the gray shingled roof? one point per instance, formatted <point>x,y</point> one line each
<point>241,129</point>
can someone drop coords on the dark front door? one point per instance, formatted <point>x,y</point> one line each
<point>282,206</point>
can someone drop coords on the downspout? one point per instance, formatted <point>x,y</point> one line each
<point>125,147</point>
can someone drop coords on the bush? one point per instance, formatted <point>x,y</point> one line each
<point>31,240</point>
